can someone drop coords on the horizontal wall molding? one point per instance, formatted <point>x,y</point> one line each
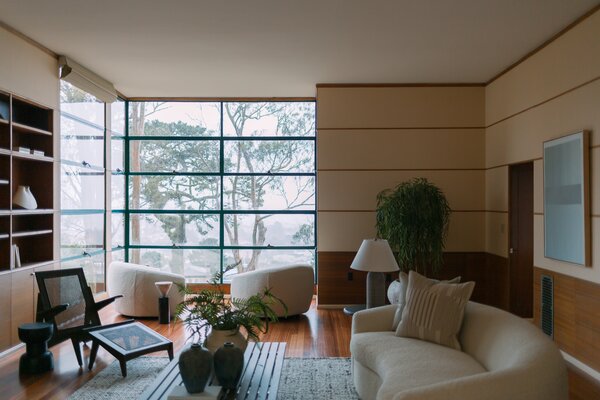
<point>395,169</point>
<point>372,211</point>
<point>395,85</point>
<point>515,163</point>
<point>541,103</point>
<point>221,98</point>
<point>401,128</point>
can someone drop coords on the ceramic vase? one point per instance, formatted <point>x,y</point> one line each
<point>24,198</point>
<point>195,366</point>
<point>393,292</point>
<point>229,363</point>
<point>217,338</point>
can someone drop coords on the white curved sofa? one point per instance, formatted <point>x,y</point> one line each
<point>293,284</point>
<point>503,357</point>
<point>136,283</point>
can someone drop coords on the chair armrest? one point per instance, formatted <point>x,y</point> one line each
<point>47,315</point>
<point>103,303</point>
<point>376,319</point>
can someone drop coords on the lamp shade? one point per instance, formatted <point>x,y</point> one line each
<point>375,255</point>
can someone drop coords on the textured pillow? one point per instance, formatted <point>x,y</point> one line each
<point>403,278</point>
<point>434,311</point>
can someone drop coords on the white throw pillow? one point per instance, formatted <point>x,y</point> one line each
<point>434,311</point>
<point>403,279</point>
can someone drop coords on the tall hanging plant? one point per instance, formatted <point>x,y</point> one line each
<point>414,218</point>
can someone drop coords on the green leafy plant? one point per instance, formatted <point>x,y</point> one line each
<point>212,308</point>
<point>414,218</point>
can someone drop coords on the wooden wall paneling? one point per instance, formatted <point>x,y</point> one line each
<point>490,272</point>
<point>5,312</point>
<point>582,386</point>
<point>576,315</point>
<point>22,301</point>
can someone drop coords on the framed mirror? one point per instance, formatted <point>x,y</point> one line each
<point>566,199</point>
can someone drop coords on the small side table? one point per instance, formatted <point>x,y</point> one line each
<point>37,358</point>
<point>164,313</point>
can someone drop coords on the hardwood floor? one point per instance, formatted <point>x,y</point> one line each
<point>318,333</point>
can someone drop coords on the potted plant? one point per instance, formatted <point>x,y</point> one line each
<point>210,308</point>
<point>414,218</point>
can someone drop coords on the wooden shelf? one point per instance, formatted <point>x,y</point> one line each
<point>30,129</point>
<point>4,121</point>
<point>32,212</point>
<point>35,264</point>
<point>5,152</point>
<point>31,233</point>
<point>5,212</point>
<point>4,236</point>
<point>27,156</point>
<point>4,181</point>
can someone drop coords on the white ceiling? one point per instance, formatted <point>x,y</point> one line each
<point>239,48</point>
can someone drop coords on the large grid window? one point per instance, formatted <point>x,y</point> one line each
<point>82,134</point>
<point>217,184</point>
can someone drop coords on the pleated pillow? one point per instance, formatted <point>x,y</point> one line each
<point>434,311</point>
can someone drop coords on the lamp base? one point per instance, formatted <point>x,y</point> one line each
<point>375,289</point>
<point>350,310</point>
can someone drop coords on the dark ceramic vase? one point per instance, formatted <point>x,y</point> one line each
<point>195,365</point>
<point>229,363</point>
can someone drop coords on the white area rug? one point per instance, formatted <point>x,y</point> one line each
<point>301,378</point>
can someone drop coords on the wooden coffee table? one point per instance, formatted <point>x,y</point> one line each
<point>263,362</point>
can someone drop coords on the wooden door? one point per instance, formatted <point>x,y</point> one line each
<point>521,240</point>
<point>5,312</point>
<point>22,301</point>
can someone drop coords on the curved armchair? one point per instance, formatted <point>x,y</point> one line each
<point>136,283</point>
<point>293,284</point>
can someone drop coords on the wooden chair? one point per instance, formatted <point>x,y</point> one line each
<point>66,301</point>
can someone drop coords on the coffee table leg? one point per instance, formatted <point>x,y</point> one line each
<point>170,351</point>
<point>123,368</point>
<point>93,354</point>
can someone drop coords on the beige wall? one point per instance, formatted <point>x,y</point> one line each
<point>373,138</point>
<point>27,71</point>
<point>551,94</point>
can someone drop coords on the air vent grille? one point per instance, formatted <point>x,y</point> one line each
<point>548,305</point>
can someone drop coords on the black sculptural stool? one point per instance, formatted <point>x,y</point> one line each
<point>37,358</point>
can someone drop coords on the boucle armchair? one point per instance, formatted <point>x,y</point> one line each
<point>136,283</point>
<point>293,284</point>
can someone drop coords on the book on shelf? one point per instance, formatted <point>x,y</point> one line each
<point>37,152</point>
<point>22,149</point>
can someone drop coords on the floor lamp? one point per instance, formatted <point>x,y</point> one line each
<point>375,257</point>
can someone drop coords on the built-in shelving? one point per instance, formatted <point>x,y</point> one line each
<point>33,157</point>
<point>26,236</point>
<point>30,129</point>
<point>31,233</point>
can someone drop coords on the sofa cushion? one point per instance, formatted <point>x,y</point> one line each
<point>434,312</point>
<point>403,279</point>
<point>406,363</point>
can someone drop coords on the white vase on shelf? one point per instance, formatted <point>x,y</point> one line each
<point>24,198</point>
